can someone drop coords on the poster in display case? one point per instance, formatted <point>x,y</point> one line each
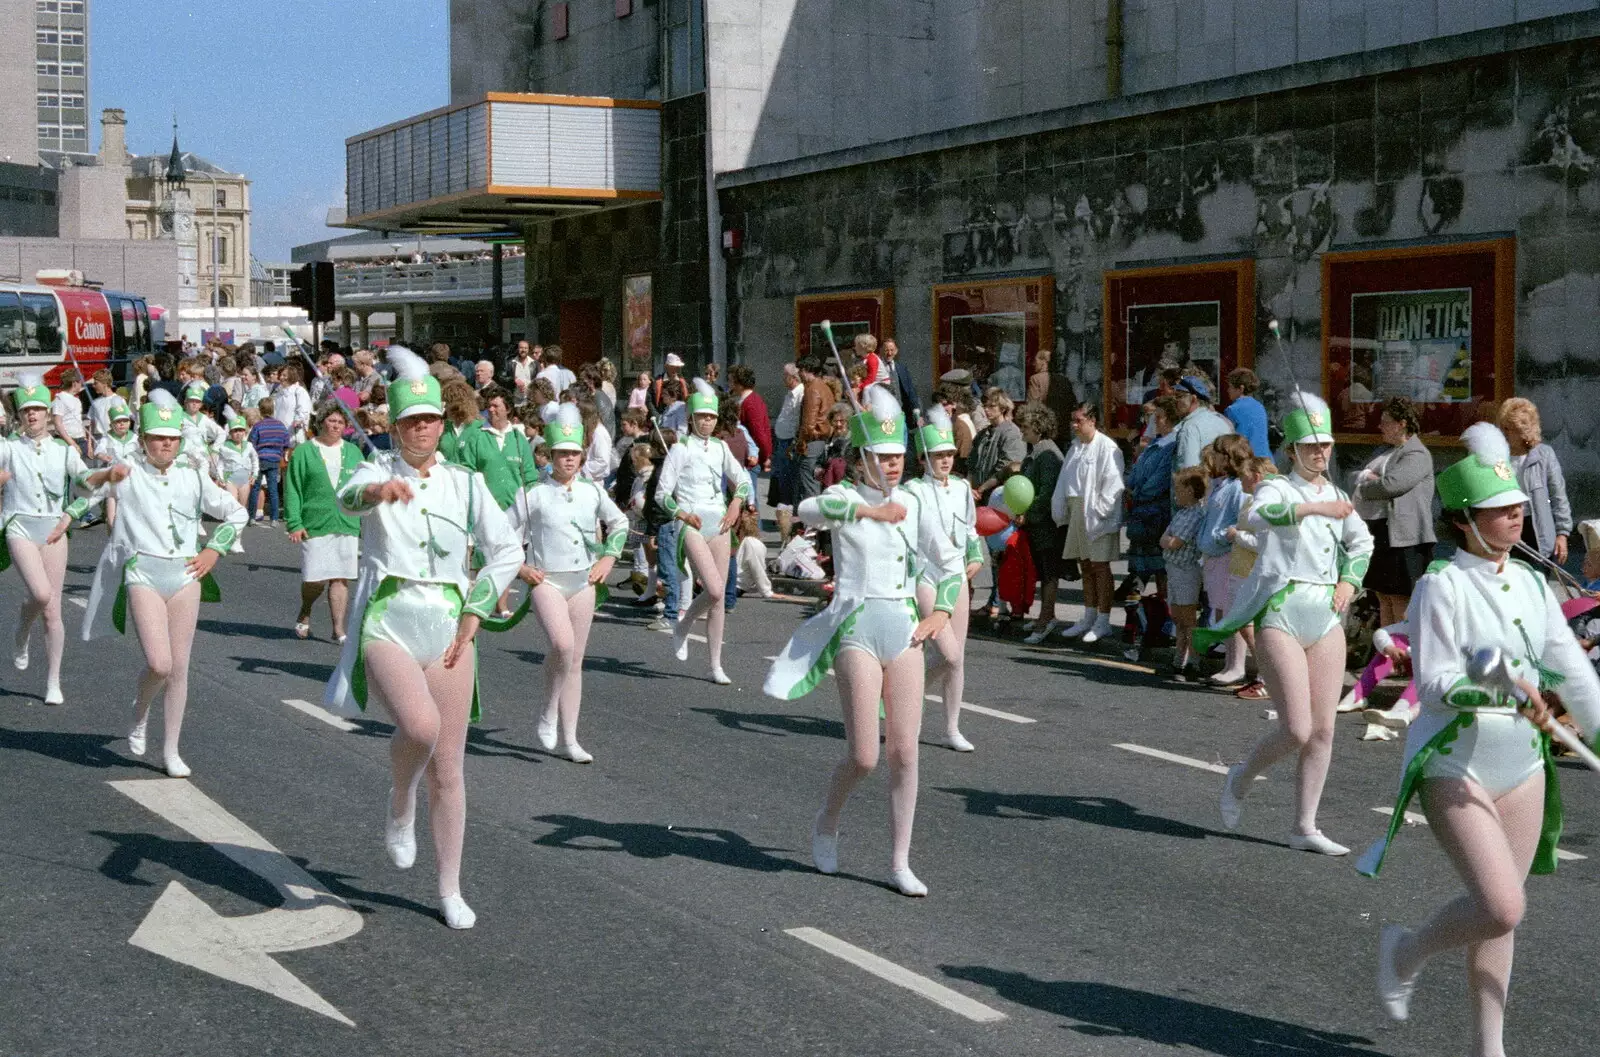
<point>994,328</point>
<point>850,312</point>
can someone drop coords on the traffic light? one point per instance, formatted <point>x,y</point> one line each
<point>311,288</point>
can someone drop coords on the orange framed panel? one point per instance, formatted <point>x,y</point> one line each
<point>1201,315</point>
<point>598,193</point>
<point>571,100</point>
<point>1435,324</point>
<point>994,328</point>
<point>851,312</point>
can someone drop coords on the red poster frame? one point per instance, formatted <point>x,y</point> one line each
<point>874,305</point>
<point>1035,294</point>
<point>1232,284</point>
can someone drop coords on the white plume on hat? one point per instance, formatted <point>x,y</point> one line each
<point>1311,404</point>
<point>939,418</point>
<point>566,415</point>
<point>161,398</point>
<point>1485,440</point>
<point>549,412</point>
<point>29,379</point>
<point>407,364</point>
<point>706,389</point>
<point>881,403</point>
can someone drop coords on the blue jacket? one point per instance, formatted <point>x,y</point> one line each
<point>1222,513</point>
<point>1249,420</point>
<point>1150,489</point>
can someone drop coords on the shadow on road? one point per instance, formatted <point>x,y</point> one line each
<point>1096,810</point>
<point>317,673</point>
<point>1105,1010</point>
<point>1064,662</point>
<point>591,663</point>
<point>480,740</point>
<point>85,750</point>
<point>648,840</point>
<point>337,883</point>
<point>195,860</point>
<point>775,724</point>
<point>234,629</point>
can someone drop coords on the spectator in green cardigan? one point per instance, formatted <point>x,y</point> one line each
<point>465,443</point>
<point>329,538</point>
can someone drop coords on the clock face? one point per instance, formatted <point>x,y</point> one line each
<point>185,225</point>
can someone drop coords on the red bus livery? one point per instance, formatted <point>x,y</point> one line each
<point>57,322</point>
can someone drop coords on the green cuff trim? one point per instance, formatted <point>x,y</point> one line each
<point>77,508</point>
<point>946,594</point>
<point>669,504</point>
<point>1353,571</point>
<point>743,491</point>
<point>354,498</point>
<point>974,551</point>
<point>1278,514</point>
<point>838,508</point>
<point>1467,694</point>
<point>614,544</point>
<point>480,599</point>
<point>222,539</point>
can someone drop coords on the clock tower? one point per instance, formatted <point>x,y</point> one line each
<point>177,223</point>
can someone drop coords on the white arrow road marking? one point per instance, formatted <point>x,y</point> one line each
<point>1172,757</point>
<point>81,603</point>
<point>183,928</point>
<point>954,1001</point>
<point>1414,819</point>
<point>320,713</point>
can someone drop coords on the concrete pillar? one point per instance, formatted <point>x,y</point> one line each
<point>497,308</point>
<point>344,327</point>
<point>530,322</point>
<point>366,341</point>
<point>408,321</point>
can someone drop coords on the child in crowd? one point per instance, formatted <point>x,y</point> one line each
<point>751,556</point>
<point>1149,499</point>
<point>1225,458</point>
<point>832,470</point>
<point>641,467</point>
<point>635,423</point>
<point>639,398</point>
<point>270,438</point>
<point>235,465</point>
<point>1183,562</point>
<point>1242,559</point>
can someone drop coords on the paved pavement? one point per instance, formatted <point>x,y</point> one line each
<point>661,901</point>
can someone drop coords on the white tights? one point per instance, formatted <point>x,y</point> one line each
<point>166,635</point>
<point>566,623</point>
<point>430,709</point>
<point>1492,844</point>
<point>951,671</point>
<point>1306,684</point>
<point>708,559</point>
<point>863,682</point>
<point>43,570</point>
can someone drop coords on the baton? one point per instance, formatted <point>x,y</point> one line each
<point>1490,666</point>
<point>882,483</point>
<point>350,414</point>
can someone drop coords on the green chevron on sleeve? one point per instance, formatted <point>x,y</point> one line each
<point>222,538</point>
<point>743,491</point>
<point>481,599</point>
<point>614,544</point>
<point>946,594</point>
<point>838,508</point>
<point>1279,514</point>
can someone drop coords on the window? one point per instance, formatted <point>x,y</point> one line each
<point>47,69</point>
<point>41,331</point>
<point>11,324</point>
<point>50,99</point>
<point>49,132</point>
<point>48,6</point>
<point>76,69</point>
<point>686,47</point>
<point>72,7</point>
<point>75,132</point>
<point>222,200</point>
<point>72,37</point>
<point>47,36</point>
<point>72,100</point>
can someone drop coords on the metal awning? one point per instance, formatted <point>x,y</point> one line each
<point>496,163</point>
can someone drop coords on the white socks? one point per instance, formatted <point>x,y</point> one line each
<point>456,912</point>
<point>400,835</point>
<point>547,730</point>
<point>53,695</point>
<point>1100,630</point>
<point>680,638</point>
<point>719,676</point>
<point>176,768</point>
<point>905,882</point>
<point>576,753</point>
<point>136,741</point>
<point>824,849</point>
<point>20,659</point>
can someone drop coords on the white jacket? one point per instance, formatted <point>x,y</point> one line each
<point>567,528</point>
<point>1103,486</point>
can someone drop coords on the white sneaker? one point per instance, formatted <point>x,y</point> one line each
<point>53,695</point>
<point>1316,842</point>
<point>547,733</point>
<point>824,850</point>
<point>1101,630</point>
<point>136,741</point>
<point>1232,804</point>
<point>680,639</point>
<point>237,548</point>
<point>176,768</point>
<point>905,882</point>
<point>1042,632</point>
<point>20,659</point>
<point>456,912</point>
<point>957,742</point>
<point>1374,732</point>
<point>1396,718</point>
<point>400,838</point>
<point>576,753</point>
<point>1080,628</point>
<point>1351,703</point>
<point>720,677</point>
<point>1393,992</point>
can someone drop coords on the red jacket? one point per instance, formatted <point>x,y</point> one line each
<point>753,417</point>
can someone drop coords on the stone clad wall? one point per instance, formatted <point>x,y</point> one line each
<point>1482,146</point>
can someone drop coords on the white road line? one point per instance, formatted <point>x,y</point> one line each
<point>984,710</point>
<point>1172,757</point>
<point>81,603</point>
<point>323,714</point>
<point>1414,819</point>
<point>696,638</point>
<point>937,993</point>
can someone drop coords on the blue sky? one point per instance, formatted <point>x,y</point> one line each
<point>268,89</point>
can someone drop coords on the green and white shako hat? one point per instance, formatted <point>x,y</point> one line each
<point>31,391</point>
<point>940,433</point>
<point>1483,479</point>
<point>119,411</point>
<point>236,421</point>
<point>563,428</point>
<point>1308,422</point>
<point>881,427</point>
<point>195,391</point>
<point>161,416</point>
<point>414,390</point>
<point>705,399</point>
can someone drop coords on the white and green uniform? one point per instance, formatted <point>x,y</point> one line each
<point>1466,731</point>
<point>566,529</point>
<point>1300,563</point>
<point>416,574</point>
<point>236,464</point>
<point>44,473</point>
<point>957,513</point>
<point>201,435</point>
<point>876,565</point>
<point>694,478</point>
<point>113,449</point>
<point>156,534</point>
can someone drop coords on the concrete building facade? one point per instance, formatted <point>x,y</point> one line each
<point>61,74</point>
<point>147,214</point>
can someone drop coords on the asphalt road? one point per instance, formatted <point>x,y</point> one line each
<point>1082,893</point>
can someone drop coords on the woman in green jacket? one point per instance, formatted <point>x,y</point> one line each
<point>329,538</point>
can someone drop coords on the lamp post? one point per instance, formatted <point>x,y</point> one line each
<point>216,277</point>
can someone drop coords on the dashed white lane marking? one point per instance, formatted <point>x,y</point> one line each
<point>81,603</point>
<point>320,713</point>
<point>1414,819</point>
<point>696,638</point>
<point>1172,757</point>
<point>984,710</point>
<point>937,993</point>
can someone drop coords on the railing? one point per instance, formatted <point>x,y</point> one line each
<point>434,281</point>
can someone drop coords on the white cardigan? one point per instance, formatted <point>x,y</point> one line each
<point>1102,498</point>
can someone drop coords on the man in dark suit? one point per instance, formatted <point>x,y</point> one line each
<point>898,379</point>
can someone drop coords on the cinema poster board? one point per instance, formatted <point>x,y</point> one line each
<point>850,312</point>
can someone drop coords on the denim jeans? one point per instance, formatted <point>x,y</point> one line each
<point>269,474</point>
<point>730,594</point>
<point>783,471</point>
<point>667,564</point>
<point>806,484</point>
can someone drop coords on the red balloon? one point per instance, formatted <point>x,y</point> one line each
<point>991,521</point>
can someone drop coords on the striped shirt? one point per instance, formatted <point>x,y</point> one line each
<point>271,440</point>
<point>1185,525</point>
